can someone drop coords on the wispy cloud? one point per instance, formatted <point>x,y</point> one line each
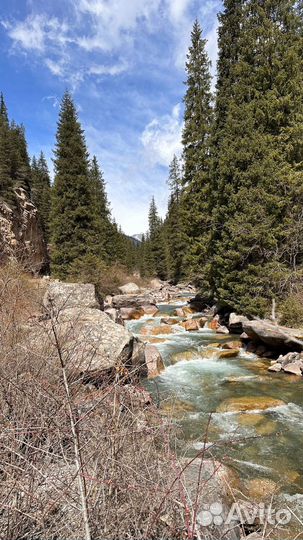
<point>125,62</point>
<point>161,138</point>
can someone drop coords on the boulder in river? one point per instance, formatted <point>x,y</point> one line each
<point>150,309</point>
<point>228,353</point>
<point>222,330</point>
<point>154,361</point>
<point>236,322</point>
<point>132,313</point>
<point>273,335</point>
<point>295,368</point>
<point>170,321</point>
<point>191,325</point>
<point>249,403</point>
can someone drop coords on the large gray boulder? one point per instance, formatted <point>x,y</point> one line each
<point>236,322</point>
<point>273,335</point>
<point>129,288</point>
<point>60,296</point>
<point>90,343</point>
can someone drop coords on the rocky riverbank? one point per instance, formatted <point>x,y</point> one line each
<point>281,345</point>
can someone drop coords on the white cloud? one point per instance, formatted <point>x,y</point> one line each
<point>30,33</point>
<point>161,138</point>
<point>100,69</point>
<point>113,23</point>
<point>177,9</point>
<point>55,68</point>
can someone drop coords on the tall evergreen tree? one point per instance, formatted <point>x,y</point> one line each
<point>102,211</point>
<point>6,182</point>
<point>73,219</point>
<point>157,248</point>
<point>173,223</point>
<point>19,158</point>
<point>196,155</point>
<point>41,191</point>
<point>259,156</point>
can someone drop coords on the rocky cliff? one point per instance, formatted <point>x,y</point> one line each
<point>21,235</point>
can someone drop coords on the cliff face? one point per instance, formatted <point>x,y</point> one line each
<point>21,235</point>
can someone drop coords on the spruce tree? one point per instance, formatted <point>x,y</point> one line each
<point>259,156</point>
<point>19,158</point>
<point>73,217</point>
<point>102,211</point>
<point>6,182</point>
<point>173,223</point>
<point>41,191</point>
<point>157,263</point>
<point>196,155</point>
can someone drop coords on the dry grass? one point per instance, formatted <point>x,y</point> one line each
<point>125,463</point>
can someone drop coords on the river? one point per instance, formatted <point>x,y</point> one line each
<point>257,444</point>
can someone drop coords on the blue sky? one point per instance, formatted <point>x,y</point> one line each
<point>124,61</point>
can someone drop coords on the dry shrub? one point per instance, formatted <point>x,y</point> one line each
<point>107,278</point>
<point>58,434</point>
<point>291,310</point>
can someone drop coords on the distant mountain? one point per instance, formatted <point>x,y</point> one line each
<point>134,239</point>
<point>138,236</point>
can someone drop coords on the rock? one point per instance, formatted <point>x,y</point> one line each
<point>151,339</point>
<point>240,379</point>
<point>249,404</point>
<point>126,301</point>
<point>114,315</point>
<point>156,284</point>
<point>163,329</point>
<point>154,362</point>
<point>191,325</point>
<point>184,355</point>
<point>130,314</point>
<point>222,330</point>
<point>295,368</point>
<point>60,296</point>
<point>232,345</point>
<point>260,489</point>
<point>251,347</point>
<point>268,428</point>
<point>273,335</point>
<point>150,309</point>
<point>251,419</point>
<point>213,325</point>
<point>202,321</point>
<point>289,358</point>
<point>275,368</point>
<point>232,353</point>
<point>91,343</point>
<point>188,310</point>
<point>261,350</point>
<point>169,321</point>
<point>176,408</point>
<point>217,482</point>
<point>179,312</point>
<point>235,323</point>
<point>216,345</point>
<point>108,301</point>
<point>129,288</point>
<point>21,235</point>
<point>244,336</point>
